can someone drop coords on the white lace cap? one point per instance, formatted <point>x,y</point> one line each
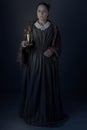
<point>42,27</point>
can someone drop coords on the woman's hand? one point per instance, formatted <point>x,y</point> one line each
<point>24,43</point>
<point>49,52</point>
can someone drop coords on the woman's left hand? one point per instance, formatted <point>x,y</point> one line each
<point>48,52</point>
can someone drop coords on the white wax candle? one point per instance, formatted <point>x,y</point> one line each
<point>28,37</point>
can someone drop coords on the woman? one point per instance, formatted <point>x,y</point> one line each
<point>41,102</point>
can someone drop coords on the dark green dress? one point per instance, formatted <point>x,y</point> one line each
<point>41,102</point>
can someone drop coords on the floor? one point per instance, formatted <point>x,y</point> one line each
<point>9,119</point>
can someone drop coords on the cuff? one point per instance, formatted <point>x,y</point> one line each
<point>55,51</point>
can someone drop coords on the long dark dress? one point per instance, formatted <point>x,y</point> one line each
<point>41,102</point>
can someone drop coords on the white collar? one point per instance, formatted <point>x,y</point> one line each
<point>42,27</point>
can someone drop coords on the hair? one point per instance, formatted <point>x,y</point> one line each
<point>45,4</point>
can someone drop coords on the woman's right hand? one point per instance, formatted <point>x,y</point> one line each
<point>24,43</point>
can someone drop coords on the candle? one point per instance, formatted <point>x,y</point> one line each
<point>28,37</point>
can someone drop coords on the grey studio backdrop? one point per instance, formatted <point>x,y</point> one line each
<point>71,17</point>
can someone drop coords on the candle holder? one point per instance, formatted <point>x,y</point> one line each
<point>29,39</point>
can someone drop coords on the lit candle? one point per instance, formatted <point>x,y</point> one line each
<point>28,37</point>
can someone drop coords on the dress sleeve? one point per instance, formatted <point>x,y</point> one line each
<point>56,47</point>
<point>22,55</point>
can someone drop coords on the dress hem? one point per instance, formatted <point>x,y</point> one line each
<point>56,123</point>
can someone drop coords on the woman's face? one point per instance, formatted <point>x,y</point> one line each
<point>42,13</point>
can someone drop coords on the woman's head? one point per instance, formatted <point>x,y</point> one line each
<point>43,11</point>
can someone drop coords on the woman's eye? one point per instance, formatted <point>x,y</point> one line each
<point>43,11</point>
<point>38,10</point>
